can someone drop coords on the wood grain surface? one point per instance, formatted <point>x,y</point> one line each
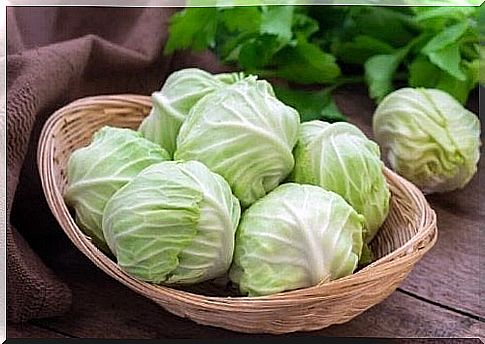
<point>101,302</point>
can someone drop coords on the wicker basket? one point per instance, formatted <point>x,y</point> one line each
<point>408,233</point>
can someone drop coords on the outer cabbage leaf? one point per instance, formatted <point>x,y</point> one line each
<point>173,224</point>
<point>180,92</point>
<point>296,236</point>
<point>340,158</point>
<point>97,171</point>
<point>244,133</point>
<point>428,137</point>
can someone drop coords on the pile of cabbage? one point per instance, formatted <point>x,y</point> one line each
<point>222,180</point>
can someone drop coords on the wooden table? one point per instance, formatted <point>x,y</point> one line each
<point>440,298</point>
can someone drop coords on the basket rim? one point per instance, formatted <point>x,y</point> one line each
<point>405,255</point>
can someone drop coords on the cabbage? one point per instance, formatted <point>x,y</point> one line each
<point>97,171</point>
<point>428,137</point>
<point>244,133</point>
<point>340,158</point>
<point>296,236</point>
<point>174,223</point>
<point>172,103</point>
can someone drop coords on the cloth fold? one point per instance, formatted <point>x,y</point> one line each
<point>54,56</point>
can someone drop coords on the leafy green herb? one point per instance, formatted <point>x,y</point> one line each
<point>448,59</point>
<point>379,71</point>
<point>194,28</point>
<point>445,38</point>
<point>360,49</point>
<point>277,21</point>
<point>305,63</point>
<point>311,105</point>
<point>435,47</point>
<point>423,73</point>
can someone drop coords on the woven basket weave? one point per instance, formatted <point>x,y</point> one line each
<point>407,234</point>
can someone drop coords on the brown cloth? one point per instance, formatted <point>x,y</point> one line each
<point>54,56</point>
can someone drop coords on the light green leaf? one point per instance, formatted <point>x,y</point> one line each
<point>379,73</point>
<point>460,89</point>
<point>448,59</point>
<point>449,36</point>
<point>277,20</point>
<point>454,12</point>
<point>422,73</point>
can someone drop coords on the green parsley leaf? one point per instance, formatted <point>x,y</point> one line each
<point>422,73</point>
<point>241,19</point>
<point>386,24</point>
<point>310,44</point>
<point>311,105</point>
<point>448,59</point>
<point>192,28</point>
<point>360,49</point>
<point>304,25</point>
<point>258,52</point>
<point>277,20</point>
<point>445,38</point>
<point>424,14</point>
<point>460,89</point>
<point>305,63</point>
<point>379,72</point>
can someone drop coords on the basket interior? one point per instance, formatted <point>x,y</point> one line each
<point>73,126</point>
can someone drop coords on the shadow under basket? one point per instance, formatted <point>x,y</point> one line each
<point>407,234</point>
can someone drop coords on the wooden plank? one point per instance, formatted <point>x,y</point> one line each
<point>449,273</point>
<point>401,315</point>
<point>102,303</point>
<point>27,330</point>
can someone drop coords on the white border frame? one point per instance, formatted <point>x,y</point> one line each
<point>136,3</point>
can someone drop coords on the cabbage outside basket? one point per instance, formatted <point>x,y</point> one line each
<point>408,233</point>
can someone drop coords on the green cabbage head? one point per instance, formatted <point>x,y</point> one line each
<point>97,171</point>
<point>296,236</point>
<point>180,92</point>
<point>340,158</point>
<point>428,137</point>
<point>244,133</point>
<point>173,224</point>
